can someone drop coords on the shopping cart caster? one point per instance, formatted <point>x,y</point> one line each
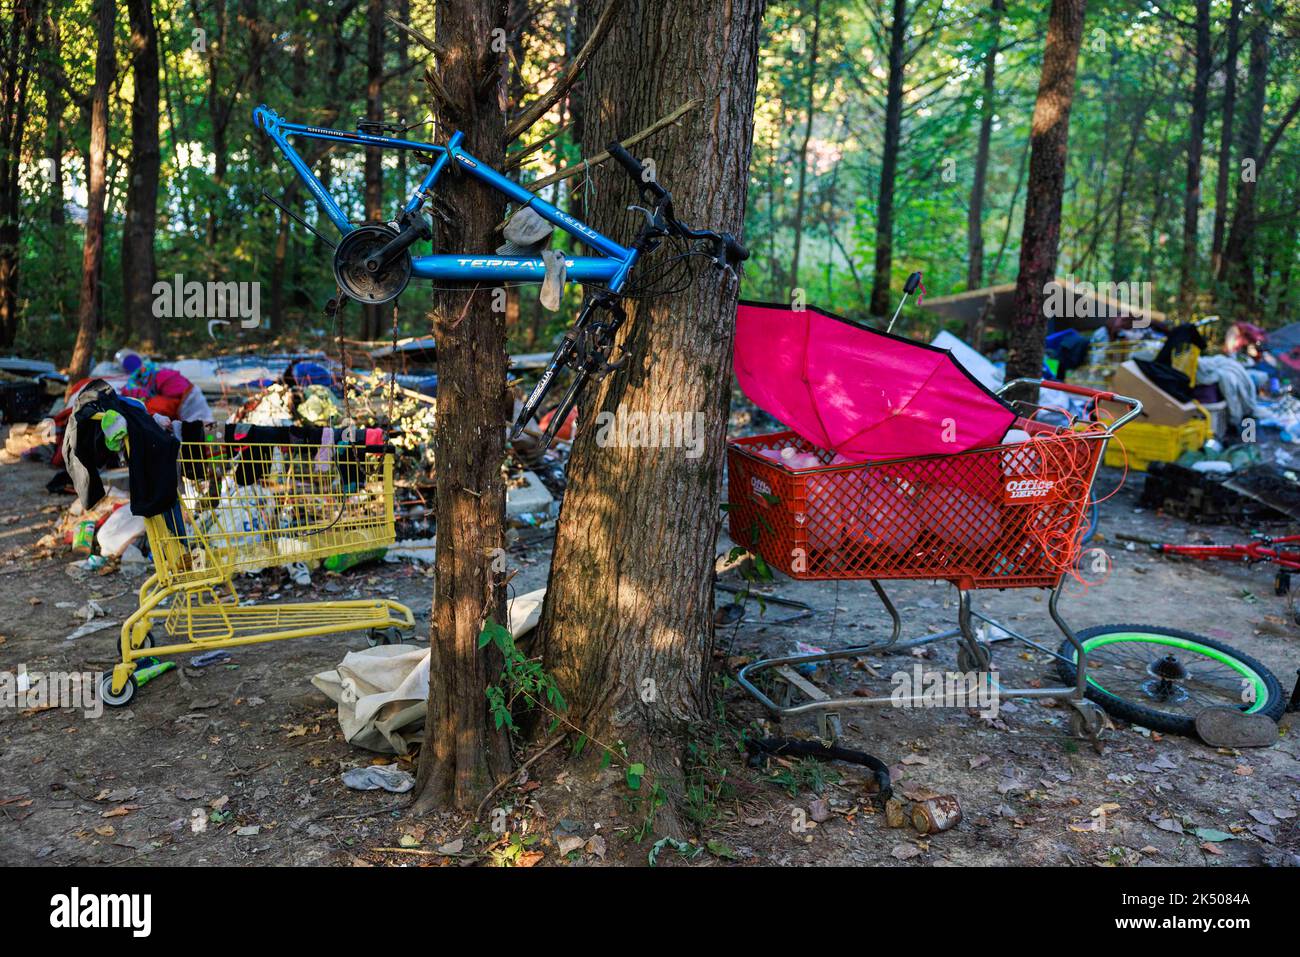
<point>123,697</point>
<point>383,636</point>
<point>976,662</point>
<point>148,641</point>
<point>1087,721</point>
<point>1282,583</point>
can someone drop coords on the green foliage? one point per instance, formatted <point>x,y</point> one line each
<point>521,677</point>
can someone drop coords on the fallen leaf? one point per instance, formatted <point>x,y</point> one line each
<point>453,847</point>
<point>1212,834</point>
<point>905,852</point>
<point>567,843</point>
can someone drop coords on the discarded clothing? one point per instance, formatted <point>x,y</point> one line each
<point>151,459</point>
<point>1234,384</point>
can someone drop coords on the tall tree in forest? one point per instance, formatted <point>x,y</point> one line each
<point>1237,269</point>
<point>1226,117</point>
<point>17,53</point>
<point>463,754</point>
<point>814,37</point>
<point>141,219</point>
<point>975,213</point>
<point>1048,138</point>
<point>1203,67</point>
<point>372,317</point>
<point>92,259</point>
<point>897,63</point>
<point>627,626</point>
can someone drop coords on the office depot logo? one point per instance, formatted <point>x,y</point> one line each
<point>760,488</point>
<point>1022,491</point>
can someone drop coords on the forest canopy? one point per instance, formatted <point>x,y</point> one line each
<point>889,137</point>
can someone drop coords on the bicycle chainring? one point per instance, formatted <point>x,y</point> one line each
<point>358,282</point>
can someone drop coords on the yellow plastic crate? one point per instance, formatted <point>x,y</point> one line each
<point>1141,443</point>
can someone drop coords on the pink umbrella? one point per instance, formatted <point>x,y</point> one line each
<point>865,394</point>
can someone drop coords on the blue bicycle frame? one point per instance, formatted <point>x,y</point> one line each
<point>610,268</point>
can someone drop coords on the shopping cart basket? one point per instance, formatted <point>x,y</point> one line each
<point>1009,516</point>
<point>243,507</point>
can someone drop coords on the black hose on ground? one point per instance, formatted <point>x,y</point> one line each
<point>785,747</point>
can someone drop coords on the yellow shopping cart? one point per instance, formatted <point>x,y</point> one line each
<point>243,507</point>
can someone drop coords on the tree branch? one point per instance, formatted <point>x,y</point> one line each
<point>602,156</point>
<point>538,108</point>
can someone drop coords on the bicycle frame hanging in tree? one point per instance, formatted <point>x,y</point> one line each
<point>610,268</point>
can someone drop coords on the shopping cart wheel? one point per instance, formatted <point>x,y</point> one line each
<point>1161,678</point>
<point>1281,583</point>
<point>978,662</point>
<point>1086,720</point>
<point>120,699</point>
<point>383,636</point>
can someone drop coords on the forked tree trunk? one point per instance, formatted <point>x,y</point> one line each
<point>880,296</point>
<point>463,757</point>
<point>142,181</point>
<point>92,258</point>
<point>627,627</point>
<point>1048,138</point>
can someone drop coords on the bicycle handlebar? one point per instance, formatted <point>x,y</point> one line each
<point>727,250</point>
<point>637,172</point>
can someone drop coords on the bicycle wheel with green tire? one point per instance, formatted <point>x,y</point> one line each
<point>1161,678</point>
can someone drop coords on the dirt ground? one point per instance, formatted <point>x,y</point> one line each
<point>241,763</point>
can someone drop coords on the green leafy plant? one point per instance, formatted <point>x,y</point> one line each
<point>521,677</point>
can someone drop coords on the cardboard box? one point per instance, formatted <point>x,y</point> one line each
<point>1158,406</point>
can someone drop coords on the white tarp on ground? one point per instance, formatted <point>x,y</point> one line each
<point>382,692</point>
<point>974,363</point>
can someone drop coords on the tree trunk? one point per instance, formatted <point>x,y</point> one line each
<point>142,181</point>
<point>880,295</point>
<point>1048,138</point>
<point>372,317</point>
<point>807,138</point>
<point>627,627</point>
<point>1195,147</point>
<point>92,259</point>
<point>463,757</point>
<point>18,51</point>
<point>1225,138</point>
<point>1236,268</point>
<point>54,129</point>
<point>975,215</point>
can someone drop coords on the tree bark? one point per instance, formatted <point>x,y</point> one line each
<point>975,215</point>
<point>463,757</point>
<point>18,49</point>
<point>1225,137</point>
<point>880,295</point>
<point>142,181</point>
<point>1195,148</point>
<point>92,258</point>
<point>807,138</point>
<point>627,627</point>
<point>1048,138</point>
<point>1236,269</point>
<point>372,317</point>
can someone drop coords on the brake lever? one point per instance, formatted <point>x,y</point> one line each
<point>649,216</point>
